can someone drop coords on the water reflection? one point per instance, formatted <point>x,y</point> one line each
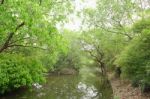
<point>37,85</point>
<point>90,92</point>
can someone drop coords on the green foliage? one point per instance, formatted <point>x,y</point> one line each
<point>34,45</point>
<point>113,26</point>
<point>36,30</point>
<point>135,59</point>
<point>18,71</point>
<point>71,59</point>
<point>107,43</point>
<point>141,25</point>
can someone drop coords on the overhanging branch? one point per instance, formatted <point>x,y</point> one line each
<point>10,36</point>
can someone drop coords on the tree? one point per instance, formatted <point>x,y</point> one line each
<point>115,16</point>
<point>71,59</point>
<point>29,40</point>
<point>114,19</point>
<point>23,26</point>
<point>134,60</point>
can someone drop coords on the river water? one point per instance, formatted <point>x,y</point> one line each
<point>88,84</point>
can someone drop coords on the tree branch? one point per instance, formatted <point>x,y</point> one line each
<point>40,2</point>
<point>10,36</point>
<point>97,58</point>
<point>18,40</point>
<point>17,45</point>
<point>117,32</point>
<point>2,1</point>
<point>19,26</point>
<point>6,42</point>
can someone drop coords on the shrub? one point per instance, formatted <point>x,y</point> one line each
<point>135,60</point>
<point>17,71</point>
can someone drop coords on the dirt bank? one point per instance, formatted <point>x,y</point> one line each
<point>124,90</point>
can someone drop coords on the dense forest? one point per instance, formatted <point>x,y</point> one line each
<point>112,35</point>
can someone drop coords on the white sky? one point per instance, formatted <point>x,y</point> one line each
<point>75,22</point>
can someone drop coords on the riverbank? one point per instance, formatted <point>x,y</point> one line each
<point>124,90</point>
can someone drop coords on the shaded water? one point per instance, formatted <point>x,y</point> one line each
<point>87,85</point>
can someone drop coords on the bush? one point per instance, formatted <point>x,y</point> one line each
<point>17,71</point>
<point>135,60</point>
<point>141,25</point>
<point>71,60</point>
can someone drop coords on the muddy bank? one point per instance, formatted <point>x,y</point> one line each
<point>124,90</point>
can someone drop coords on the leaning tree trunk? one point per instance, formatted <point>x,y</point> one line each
<point>103,68</point>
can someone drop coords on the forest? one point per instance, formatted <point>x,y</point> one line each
<point>75,49</point>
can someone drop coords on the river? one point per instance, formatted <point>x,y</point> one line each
<point>88,84</point>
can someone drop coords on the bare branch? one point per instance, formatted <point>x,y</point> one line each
<point>117,32</point>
